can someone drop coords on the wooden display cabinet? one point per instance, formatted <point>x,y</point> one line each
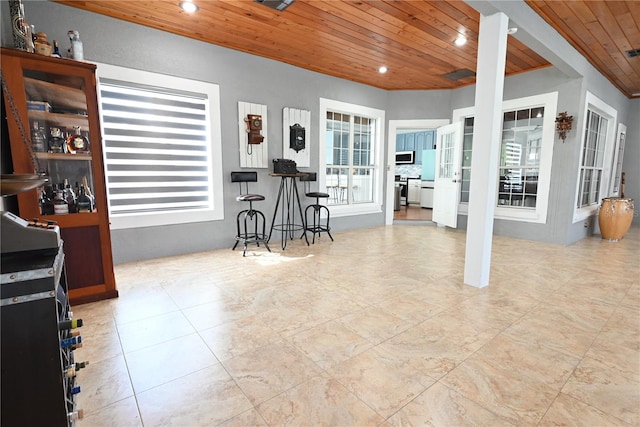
<point>61,93</point>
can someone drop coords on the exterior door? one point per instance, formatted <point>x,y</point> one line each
<point>448,178</point>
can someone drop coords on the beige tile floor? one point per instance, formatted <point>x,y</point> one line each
<point>375,328</point>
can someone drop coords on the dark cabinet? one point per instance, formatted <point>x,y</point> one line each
<point>37,365</point>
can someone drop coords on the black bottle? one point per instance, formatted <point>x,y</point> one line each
<point>46,201</point>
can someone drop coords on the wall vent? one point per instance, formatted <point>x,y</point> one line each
<point>633,53</point>
<point>460,74</point>
<point>276,4</point>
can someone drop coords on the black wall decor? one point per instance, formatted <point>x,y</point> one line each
<point>296,137</point>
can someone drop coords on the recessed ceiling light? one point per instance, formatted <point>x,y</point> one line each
<point>189,7</point>
<point>382,69</point>
<point>460,41</point>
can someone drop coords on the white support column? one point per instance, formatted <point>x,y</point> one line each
<point>492,50</point>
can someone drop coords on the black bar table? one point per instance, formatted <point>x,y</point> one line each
<point>287,202</point>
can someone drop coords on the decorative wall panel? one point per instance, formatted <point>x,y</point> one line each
<point>252,155</point>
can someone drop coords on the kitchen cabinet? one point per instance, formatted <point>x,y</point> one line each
<point>416,141</point>
<point>413,191</point>
<point>426,194</point>
<point>57,97</point>
<point>420,137</point>
<point>400,142</point>
<point>409,142</point>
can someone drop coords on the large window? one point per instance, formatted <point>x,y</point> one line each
<point>161,144</point>
<point>351,155</point>
<point>595,139</point>
<point>596,156</point>
<point>349,158</point>
<point>526,149</point>
<point>520,157</point>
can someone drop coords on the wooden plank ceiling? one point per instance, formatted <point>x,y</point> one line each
<point>352,39</point>
<point>604,32</point>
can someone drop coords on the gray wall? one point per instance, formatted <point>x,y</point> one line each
<point>244,77</point>
<point>241,77</point>
<point>631,165</point>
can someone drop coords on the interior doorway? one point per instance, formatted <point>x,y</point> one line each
<point>407,193</point>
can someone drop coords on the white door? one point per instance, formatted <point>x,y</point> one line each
<point>446,192</point>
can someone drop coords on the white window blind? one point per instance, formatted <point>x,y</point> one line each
<point>162,148</point>
<point>156,145</point>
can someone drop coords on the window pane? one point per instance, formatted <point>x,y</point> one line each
<point>466,181</point>
<point>509,121</point>
<point>531,188</point>
<point>468,125</point>
<point>522,118</point>
<point>602,132</point>
<point>594,196</point>
<point>537,116</point>
<point>337,182</point>
<point>586,186</point>
<point>446,157</point>
<point>362,188</point>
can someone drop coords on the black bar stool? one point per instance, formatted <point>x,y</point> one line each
<point>318,226</point>
<point>250,216</point>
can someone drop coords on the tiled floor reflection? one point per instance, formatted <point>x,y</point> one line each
<point>375,328</point>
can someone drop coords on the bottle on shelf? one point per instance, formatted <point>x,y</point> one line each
<point>73,369</point>
<point>18,26</point>
<point>76,142</point>
<point>76,51</point>
<point>56,50</point>
<point>70,197</point>
<point>60,206</point>
<point>84,202</point>
<point>75,415</point>
<point>70,372</point>
<point>71,342</point>
<point>87,190</point>
<point>41,44</point>
<point>69,324</point>
<point>56,141</point>
<point>38,139</point>
<point>81,365</point>
<point>46,201</point>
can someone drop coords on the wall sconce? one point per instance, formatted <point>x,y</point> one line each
<point>563,124</point>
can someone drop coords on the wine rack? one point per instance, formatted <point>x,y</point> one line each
<point>38,370</point>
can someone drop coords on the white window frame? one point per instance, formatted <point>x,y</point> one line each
<point>550,103</point>
<point>597,105</point>
<point>378,156</point>
<point>216,211</point>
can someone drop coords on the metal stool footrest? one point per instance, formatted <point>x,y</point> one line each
<point>317,227</point>
<point>251,219</point>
